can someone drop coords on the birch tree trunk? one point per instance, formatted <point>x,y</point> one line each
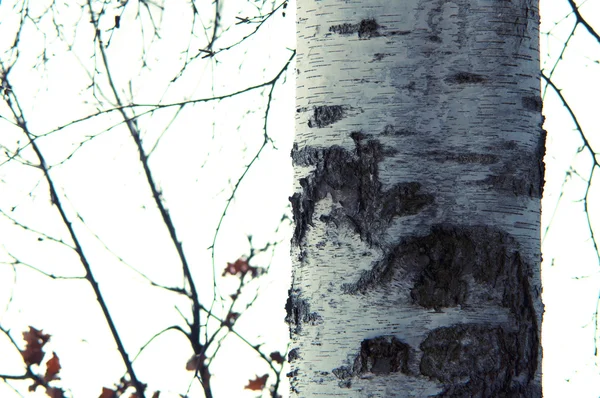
<point>419,173</point>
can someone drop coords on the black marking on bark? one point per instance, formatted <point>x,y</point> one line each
<point>366,29</point>
<point>344,29</point>
<point>325,115</point>
<point>533,103</point>
<point>293,355</point>
<point>352,180</point>
<point>379,56</point>
<point>435,39</point>
<point>293,373</point>
<point>298,312</point>
<point>463,158</point>
<point>465,78</point>
<point>398,33</point>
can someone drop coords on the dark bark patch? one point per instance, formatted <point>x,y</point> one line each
<point>458,266</point>
<point>298,312</point>
<point>366,29</point>
<point>452,266</point>
<point>352,180</point>
<point>440,264</point>
<point>447,257</point>
<point>465,78</point>
<point>326,115</point>
<point>532,103</point>
<point>479,361</point>
<point>382,355</point>
<point>457,352</point>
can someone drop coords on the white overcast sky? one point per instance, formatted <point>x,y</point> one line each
<point>103,183</point>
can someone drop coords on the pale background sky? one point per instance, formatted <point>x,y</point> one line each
<point>196,164</point>
<point>571,285</point>
<point>102,181</point>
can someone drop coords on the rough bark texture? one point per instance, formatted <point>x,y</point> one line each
<point>419,174</point>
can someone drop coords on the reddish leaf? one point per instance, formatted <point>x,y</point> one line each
<point>34,347</point>
<point>240,267</point>
<point>108,393</point>
<point>258,383</point>
<point>277,357</point>
<point>52,368</point>
<point>156,394</point>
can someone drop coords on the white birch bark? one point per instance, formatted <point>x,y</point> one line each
<point>419,173</point>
